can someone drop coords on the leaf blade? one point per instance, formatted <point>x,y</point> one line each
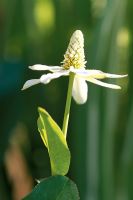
<point>55,187</point>
<point>55,142</point>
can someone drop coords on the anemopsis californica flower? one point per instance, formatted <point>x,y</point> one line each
<point>74,62</point>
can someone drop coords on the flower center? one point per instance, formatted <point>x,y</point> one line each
<point>74,55</point>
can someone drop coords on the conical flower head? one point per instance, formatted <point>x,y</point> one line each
<point>74,62</point>
<point>74,55</point>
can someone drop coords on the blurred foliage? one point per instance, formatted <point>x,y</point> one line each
<point>100,132</point>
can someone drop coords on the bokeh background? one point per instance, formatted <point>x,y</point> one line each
<point>100,134</point>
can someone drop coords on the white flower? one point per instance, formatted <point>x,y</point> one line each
<point>74,62</point>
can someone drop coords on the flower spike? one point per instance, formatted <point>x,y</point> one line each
<point>74,55</point>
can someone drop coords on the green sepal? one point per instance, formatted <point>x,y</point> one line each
<point>55,142</point>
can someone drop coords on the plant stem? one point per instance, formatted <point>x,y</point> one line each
<point>68,104</point>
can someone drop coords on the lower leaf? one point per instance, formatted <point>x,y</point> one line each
<point>54,188</point>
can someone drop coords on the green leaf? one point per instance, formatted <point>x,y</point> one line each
<point>55,142</point>
<point>54,188</point>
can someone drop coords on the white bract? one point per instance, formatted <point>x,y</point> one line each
<point>74,62</point>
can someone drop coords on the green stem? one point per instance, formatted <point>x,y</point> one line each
<point>68,104</point>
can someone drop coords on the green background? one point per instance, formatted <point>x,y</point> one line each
<point>100,134</point>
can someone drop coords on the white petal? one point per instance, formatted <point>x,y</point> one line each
<point>45,67</point>
<point>107,75</point>
<point>101,75</point>
<point>95,81</point>
<point>82,70</point>
<point>46,78</point>
<point>80,90</point>
<point>97,74</point>
<point>30,83</point>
